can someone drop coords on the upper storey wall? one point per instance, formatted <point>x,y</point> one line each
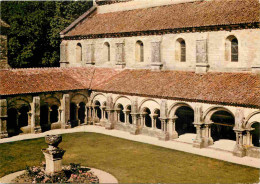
<point>137,4</point>
<point>95,51</point>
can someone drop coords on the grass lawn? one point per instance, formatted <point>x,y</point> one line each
<point>128,161</point>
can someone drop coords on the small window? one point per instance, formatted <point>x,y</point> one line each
<point>234,50</point>
<point>78,53</point>
<point>231,52</point>
<point>139,51</point>
<point>180,50</point>
<point>183,51</point>
<point>107,51</point>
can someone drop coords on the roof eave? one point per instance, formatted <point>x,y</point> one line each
<point>77,21</point>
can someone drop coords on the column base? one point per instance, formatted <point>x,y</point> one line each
<point>109,126</point>
<point>37,129</point>
<point>164,136</point>
<point>239,151</point>
<point>3,135</point>
<point>202,142</point>
<point>174,136</point>
<point>135,130</point>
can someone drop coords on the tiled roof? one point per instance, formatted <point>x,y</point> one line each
<point>227,88</point>
<point>184,15</point>
<point>242,89</point>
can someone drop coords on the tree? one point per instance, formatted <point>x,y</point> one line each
<point>34,29</point>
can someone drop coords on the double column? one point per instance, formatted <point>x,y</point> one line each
<point>3,118</point>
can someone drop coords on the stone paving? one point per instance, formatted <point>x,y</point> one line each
<point>216,151</point>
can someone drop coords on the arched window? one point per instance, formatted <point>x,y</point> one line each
<point>78,53</point>
<point>180,54</point>
<point>107,51</point>
<point>234,50</point>
<point>231,49</point>
<point>139,51</point>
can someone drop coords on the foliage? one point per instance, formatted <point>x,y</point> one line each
<point>69,174</point>
<point>34,29</point>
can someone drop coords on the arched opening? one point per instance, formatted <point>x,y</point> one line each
<point>12,125</point>
<point>184,122</point>
<point>23,117</point>
<point>222,127</point>
<point>255,134</point>
<point>104,109</point>
<point>98,110</point>
<point>73,113</point>
<point>107,51</point>
<point>139,51</point>
<point>78,53</point>
<point>231,52</point>
<point>180,54</point>
<point>81,112</point>
<point>120,112</point>
<point>129,114</point>
<point>234,50</point>
<point>44,118</point>
<point>147,117</point>
<point>54,114</point>
<point>158,123</point>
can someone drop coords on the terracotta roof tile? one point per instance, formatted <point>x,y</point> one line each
<point>242,89</point>
<point>229,88</point>
<point>195,14</point>
<point>44,79</point>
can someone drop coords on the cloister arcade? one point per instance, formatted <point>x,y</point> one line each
<point>166,119</point>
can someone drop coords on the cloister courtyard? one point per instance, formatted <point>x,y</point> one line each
<point>128,161</point>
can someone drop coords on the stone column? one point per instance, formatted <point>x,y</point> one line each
<point>165,135</point>
<point>110,124</point>
<point>171,128</point>
<point>77,114</point>
<point>3,118</point>
<point>86,115</point>
<point>35,119</point>
<point>49,115</point>
<point>65,113</point>
<point>154,121</point>
<point>239,149</point>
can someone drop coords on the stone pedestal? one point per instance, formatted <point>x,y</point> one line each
<point>53,154</point>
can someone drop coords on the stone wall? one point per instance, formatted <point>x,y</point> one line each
<point>248,43</point>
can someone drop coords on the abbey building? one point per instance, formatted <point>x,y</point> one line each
<point>184,70</point>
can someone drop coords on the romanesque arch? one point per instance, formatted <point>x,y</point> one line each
<point>18,115</point>
<point>252,124</point>
<point>49,112</point>
<point>222,122</point>
<point>78,109</point>
<point>183,116</point>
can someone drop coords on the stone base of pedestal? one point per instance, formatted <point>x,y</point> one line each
<point>53,160</point>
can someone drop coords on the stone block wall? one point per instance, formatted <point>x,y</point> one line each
<point>248,43</point>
